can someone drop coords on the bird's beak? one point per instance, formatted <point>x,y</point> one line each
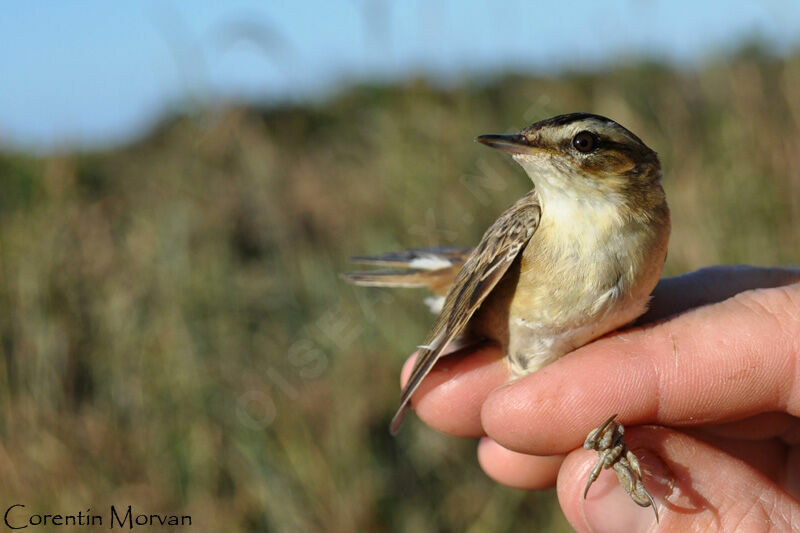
<point>513,144</point>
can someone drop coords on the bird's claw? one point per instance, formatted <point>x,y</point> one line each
<point>608,441</point>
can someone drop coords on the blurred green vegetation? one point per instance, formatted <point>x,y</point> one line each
<point>174,336</point>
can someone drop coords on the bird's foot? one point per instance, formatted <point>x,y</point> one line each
<point>608,441</point>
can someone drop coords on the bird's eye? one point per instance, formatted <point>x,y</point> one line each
<point>584,141</point>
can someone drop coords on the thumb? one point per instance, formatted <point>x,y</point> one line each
<point>696,487</point>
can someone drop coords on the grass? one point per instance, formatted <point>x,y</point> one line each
<point>174,336</point>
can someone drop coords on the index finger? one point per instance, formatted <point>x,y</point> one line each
<point>712,285</point>
<point>713,364</point>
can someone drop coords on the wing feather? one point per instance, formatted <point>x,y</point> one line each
<point>483,269</point>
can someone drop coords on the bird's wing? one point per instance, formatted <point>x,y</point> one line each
<point>482,270</point>
<point>432,268</point>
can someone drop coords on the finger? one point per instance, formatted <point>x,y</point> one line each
<point>517,470</point>
<point>532,472</point>
<point>712,285</point>
<point>715,364</point>
<point>450,397</point>
<point>696,488</point>
<point>769,456</point>
<point>760,427</point>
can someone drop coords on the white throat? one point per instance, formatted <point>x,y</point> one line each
<point>572,199</point>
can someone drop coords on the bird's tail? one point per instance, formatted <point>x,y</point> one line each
<point>431,268</point>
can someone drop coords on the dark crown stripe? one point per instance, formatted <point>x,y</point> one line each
<point>563,120</point>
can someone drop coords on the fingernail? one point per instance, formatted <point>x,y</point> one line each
<point>608,508</point>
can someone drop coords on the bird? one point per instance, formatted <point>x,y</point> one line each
<point>573,259</point>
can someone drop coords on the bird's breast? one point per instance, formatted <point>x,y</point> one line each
<point>574,283</point>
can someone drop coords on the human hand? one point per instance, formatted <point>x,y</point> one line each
<point>726,373</point>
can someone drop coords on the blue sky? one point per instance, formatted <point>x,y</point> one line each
<point>96,73</point>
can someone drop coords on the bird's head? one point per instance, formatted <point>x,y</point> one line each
<point>581,153</point>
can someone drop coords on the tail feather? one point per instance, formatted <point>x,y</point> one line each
<point>431,268</point>
<point>418,258</point>
<point>407,278</point>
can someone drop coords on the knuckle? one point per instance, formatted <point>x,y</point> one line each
<point>779,305</point>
